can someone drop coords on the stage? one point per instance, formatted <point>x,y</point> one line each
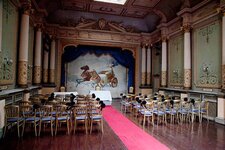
<point>104,96</point>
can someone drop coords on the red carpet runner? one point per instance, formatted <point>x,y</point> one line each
<point>131,135</point>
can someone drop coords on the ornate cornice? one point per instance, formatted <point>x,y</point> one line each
<point>96,35</point>
<point>100,24</point>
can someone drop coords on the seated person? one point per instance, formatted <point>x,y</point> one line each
<point>185,99</point>
<point>102,105</point>
<point>93,95</point>
<point>71,103</point>
<point>51,97</point>
<point>171,103</point>
<point>193,101</point>
<point>143,104</point>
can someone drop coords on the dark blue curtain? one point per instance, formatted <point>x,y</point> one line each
<point>123,57</point>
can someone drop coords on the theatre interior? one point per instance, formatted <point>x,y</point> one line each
<point>112,74</point>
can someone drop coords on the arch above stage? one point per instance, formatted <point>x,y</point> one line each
<point>123,57</point>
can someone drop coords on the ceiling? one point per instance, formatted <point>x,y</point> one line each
<point>142,15</point>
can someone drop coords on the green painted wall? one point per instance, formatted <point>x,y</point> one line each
<point>176,61</point>
<point>9,44</point>
<point>207,56</point>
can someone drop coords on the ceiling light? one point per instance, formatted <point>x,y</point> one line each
<point>120,2</point>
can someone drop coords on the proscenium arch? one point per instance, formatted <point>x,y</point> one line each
<point>123,57</point>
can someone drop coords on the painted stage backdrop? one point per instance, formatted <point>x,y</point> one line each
<point>91,72</point>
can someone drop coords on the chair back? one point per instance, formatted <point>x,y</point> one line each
<point>46,111</point>
<point>80,110</point>
<point>12,111</point>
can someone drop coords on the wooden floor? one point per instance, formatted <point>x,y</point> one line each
<point>187,136</point>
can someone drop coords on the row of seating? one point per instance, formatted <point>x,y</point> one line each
<point>163,109</point>
<point>84,110</point>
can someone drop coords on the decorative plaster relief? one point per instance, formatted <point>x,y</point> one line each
<point>223,76</point>
<point>143,78</point>
<point>37,74</point>
<point>45,75</point>
<point>22,73</point>
<point>148,78</point>
<point>163,78</point>
<point>187,78</point>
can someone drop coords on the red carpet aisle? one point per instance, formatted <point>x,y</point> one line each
<point>132,136</point>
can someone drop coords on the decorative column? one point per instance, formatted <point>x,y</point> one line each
<point>143,66</point>
<point>164,63</point>
<point>1,11</point>
<point>223,52</point>
<point>149,65</point>
<point>45,67</point>
<point>23,46</point>
<point>52,62</point>
<point>37,56</point>
<point>187,56</point>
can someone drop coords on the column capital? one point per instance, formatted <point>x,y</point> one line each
<point>221,10</point>
<point>53,37</point>
<point>164,38</point>
<point>39,26</point>
<point>26,6</point>
<point>186,28</point>
<point>144,45</point>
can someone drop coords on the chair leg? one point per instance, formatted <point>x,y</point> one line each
<point>144,121</point>
<point>35,129</point>
<point>5,128</point>
<point>18,129</point>
<point>51,127</point>
<point>39,129</point>
<point>56,127</point>
<point>23,128</point>
<point>68,126</point>
<point>102,125</point>
<point>75,125</point>
<point>91,126</point>
<point>86,126</point>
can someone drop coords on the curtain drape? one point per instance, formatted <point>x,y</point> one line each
<point>123,57</point>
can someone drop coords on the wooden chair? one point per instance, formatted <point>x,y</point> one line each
<point>12,117</point>
<point>29,115</point>
<point>80,116</point>
<point>62,116</point>
<point>204,110</point>
<point>96,116</point>
<point>47,117</point>
<point>147,113</point>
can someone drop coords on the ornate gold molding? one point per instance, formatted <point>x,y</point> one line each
<point>100,24</point>
<point>223,76</point>
<point>163,78</point>
<point>37,75</point>
<point>45,75</point>
<point>143,78</point>
<point>22,73</point>
<point>148,78</point>
<point>187,78</point>
<point>26,7</point>
<point>221,10</point>
<point>186,28</point>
